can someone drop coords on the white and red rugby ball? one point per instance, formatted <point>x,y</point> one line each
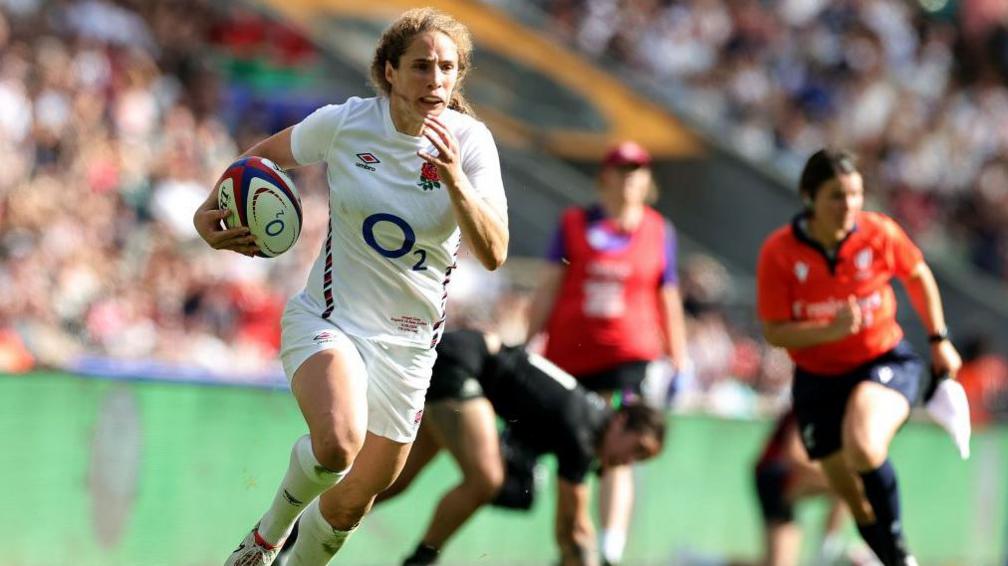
<point>262,198</point>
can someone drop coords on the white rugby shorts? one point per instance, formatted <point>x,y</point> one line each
<point>397,376</point>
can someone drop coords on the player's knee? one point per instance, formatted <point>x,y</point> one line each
<point>771,488</point>
<point>397,487</point>
<point>486,482</point>
<point>866,455</point>
<point>335,449</point>
<point>864,451</point>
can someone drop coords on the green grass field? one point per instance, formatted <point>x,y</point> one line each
<point>110,473</point>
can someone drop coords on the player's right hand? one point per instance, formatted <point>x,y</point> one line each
<point>209,224</point>
<point>848,318</point>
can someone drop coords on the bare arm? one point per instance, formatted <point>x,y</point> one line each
<point>276,148</point>
<point>207,218</point>
<point>675,325</point>
<point>484,228</point>
<point>544,298</point>
<point>575,533</point>
<point>926,300</point>
<point>806,333</point>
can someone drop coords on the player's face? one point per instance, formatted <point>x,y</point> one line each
<point>629,184</point>
<point>423,83</point>
<point>623,446</point>
<point>838,202</point>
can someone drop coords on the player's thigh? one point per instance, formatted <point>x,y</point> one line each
<point>873,415</point>
<point>398,377</point>
<point>329,381</point>
<point>807,482</point>
<point>375,468</point>
<point>880,403</point>
<point>425,447</point>
<point>468,430</point>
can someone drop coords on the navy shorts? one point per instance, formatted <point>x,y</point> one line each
<point>821,400</point>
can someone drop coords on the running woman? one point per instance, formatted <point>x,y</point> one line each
<point>824,293</point>
<point>410,172</point>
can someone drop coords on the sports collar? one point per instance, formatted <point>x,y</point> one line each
<point>798,229</point>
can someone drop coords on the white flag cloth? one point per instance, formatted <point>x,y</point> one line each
<point>949,408</point>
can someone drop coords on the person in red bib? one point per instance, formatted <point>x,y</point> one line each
<point>609,303</point>
<point>823,289</point>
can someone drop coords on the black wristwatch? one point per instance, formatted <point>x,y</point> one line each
<point>940,336</point>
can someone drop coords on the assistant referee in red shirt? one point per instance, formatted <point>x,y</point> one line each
<point>824,293</point>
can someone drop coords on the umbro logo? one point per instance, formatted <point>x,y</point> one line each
<point>366,160</point>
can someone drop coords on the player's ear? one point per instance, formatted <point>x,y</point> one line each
<point>389,71</point>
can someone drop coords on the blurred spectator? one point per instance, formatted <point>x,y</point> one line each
<point>14,356</point>
<point>984,376</point>
<point>108,125</point>
<point>732,374</point>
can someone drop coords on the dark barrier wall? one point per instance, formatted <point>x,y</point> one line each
<point>107,473</point>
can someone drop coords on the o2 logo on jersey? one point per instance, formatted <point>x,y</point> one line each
<point>408,236</point>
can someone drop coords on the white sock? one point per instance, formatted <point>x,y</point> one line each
<point>832,548</point>
<point>317,540</point>
<point>305,479</point>
<point>611,544</point>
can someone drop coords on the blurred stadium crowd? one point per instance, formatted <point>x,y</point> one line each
<point>917,88</point>
<point>111,136</point>
<point>117,117</point>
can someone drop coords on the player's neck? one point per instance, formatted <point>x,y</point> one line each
<point>828,237</point>
<point>405,120</point>
<point>626,215</point>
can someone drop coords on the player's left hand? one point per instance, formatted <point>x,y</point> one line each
<point>448,161</point>
<point>945,359</point>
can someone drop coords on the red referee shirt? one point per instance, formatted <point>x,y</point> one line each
<point>796,280</point>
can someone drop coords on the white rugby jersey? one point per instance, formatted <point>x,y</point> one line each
<point>385,264</point>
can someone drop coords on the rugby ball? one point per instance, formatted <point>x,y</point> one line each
<point>262,198</point>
